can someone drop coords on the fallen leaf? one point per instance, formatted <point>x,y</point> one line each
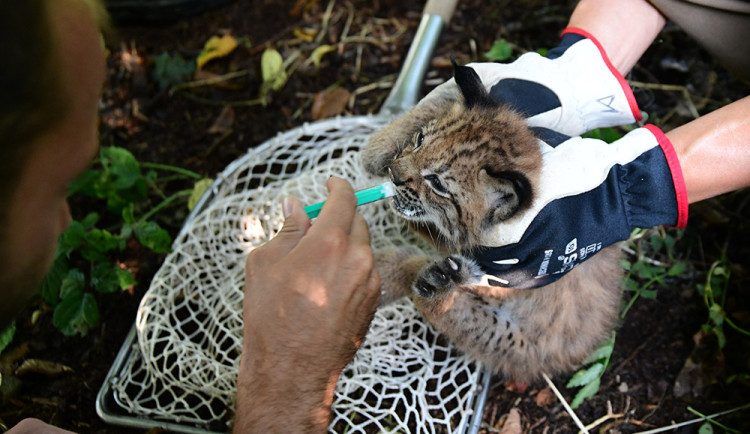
<point>512,423</point>
<point>45,367</point>
<point>198,190</point>
<point>545,397</point>
<point>329,102</point>
<point>223,123</point>
<point>306,34</point>
<point>214,48</point>
<point>318,53</point>
<point>272,69</point>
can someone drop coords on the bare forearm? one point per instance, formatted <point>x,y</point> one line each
<point>714,151</point>
<point>275,396</point>
<point>625,28</point>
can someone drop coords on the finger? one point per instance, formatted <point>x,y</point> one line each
<point>296,225</point>
<point>360,233</point>
<point>338,211</point>
<point>367,299</point>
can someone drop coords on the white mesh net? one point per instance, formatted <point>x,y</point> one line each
<point>405,377</point>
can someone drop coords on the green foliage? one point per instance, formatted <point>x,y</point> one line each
<point>171,70</point>
<point>6,336</point>
<point>589,378</point>
<point>608,134</point>
<point>643,275</point>
<point>501,50</point>
<point>714,293</point>
<point>86,258</point>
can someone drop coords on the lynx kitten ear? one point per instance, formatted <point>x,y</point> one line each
<point>506,193</point>
<point>471,87</point>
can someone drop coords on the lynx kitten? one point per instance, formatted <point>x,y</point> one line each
<point>459,168</point>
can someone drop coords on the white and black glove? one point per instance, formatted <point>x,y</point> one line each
<point>591,195</point>
<point>574,89</point>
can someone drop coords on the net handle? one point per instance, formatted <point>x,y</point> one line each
<point>406,90</point>
<point>444,8</point>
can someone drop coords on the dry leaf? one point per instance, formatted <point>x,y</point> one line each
<point>545,397</point>
<point>214,48</point>
<point>45,367</point>
<point>330,102</point>
<point>223,123</point>
<point>512,423</point>
<point>318,53</point>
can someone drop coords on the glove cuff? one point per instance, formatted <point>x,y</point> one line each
<point>675,169</point>
<point>615,73</point>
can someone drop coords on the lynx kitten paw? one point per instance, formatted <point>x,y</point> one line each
<point>444,276</point>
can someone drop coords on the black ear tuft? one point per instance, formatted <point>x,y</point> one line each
<point>471,87</point>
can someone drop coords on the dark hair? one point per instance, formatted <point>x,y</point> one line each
<point>31,103</point>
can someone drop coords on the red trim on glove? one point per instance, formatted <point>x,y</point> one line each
<point>674,166</point>
<point>623,83</point>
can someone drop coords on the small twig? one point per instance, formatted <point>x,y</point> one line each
<point>242,103</point>
<point>692,421</point>
<point>209,81</point>
<point>688,97</point>
<point>324,22</point>
<point>606,417</point>
<point>565,404</point>
<point>646,259</point>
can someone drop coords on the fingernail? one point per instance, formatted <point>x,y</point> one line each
<point>287,206</point>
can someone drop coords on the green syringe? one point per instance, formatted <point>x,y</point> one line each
<point>363,196</point>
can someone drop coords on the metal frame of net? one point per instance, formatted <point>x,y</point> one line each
<point>179,370</point>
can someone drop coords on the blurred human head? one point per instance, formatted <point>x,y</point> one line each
<point>50,86</point>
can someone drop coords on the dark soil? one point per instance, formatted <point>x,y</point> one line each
<point>655,339</point>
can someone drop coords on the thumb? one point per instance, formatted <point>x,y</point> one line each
<point>296,224</point>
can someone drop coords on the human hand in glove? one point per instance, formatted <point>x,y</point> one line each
<point>591,195</point>
<point>572,90</point>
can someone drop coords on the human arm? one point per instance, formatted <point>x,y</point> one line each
<point>310,294</point>
<point>613,21</point>
<point>714,151</point>
<point>35,426</point>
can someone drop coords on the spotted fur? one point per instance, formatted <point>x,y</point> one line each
<point>459,168</point>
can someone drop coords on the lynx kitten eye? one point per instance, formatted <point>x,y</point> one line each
<point>419,140</point>
<point>436,185</point>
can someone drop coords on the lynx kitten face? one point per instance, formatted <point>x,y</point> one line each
<point>475,164</point>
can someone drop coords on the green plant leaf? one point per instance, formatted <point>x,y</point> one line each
<point>677,269</point>
<point>706,428</point>
<point>125,278</point>
<point>171,70</point>
<point>586,376</point>
<point>122,166</point>
<point>6,337</point>
<point>105,277</point>
<point>501,50</point>
<point>272,69</point>
<point>586,391</point>
<point>50,287</point>
<point>601,353</point>
<point>152,236</point>
<point>97,243</point>
<point>71,238</point>
<point>90,220</point>
<point>76,314</point>
<point>198,190</point>
<point>73,281</point>
<point>85,183</point>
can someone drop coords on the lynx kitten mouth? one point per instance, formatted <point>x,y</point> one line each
<point>408,210</point>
